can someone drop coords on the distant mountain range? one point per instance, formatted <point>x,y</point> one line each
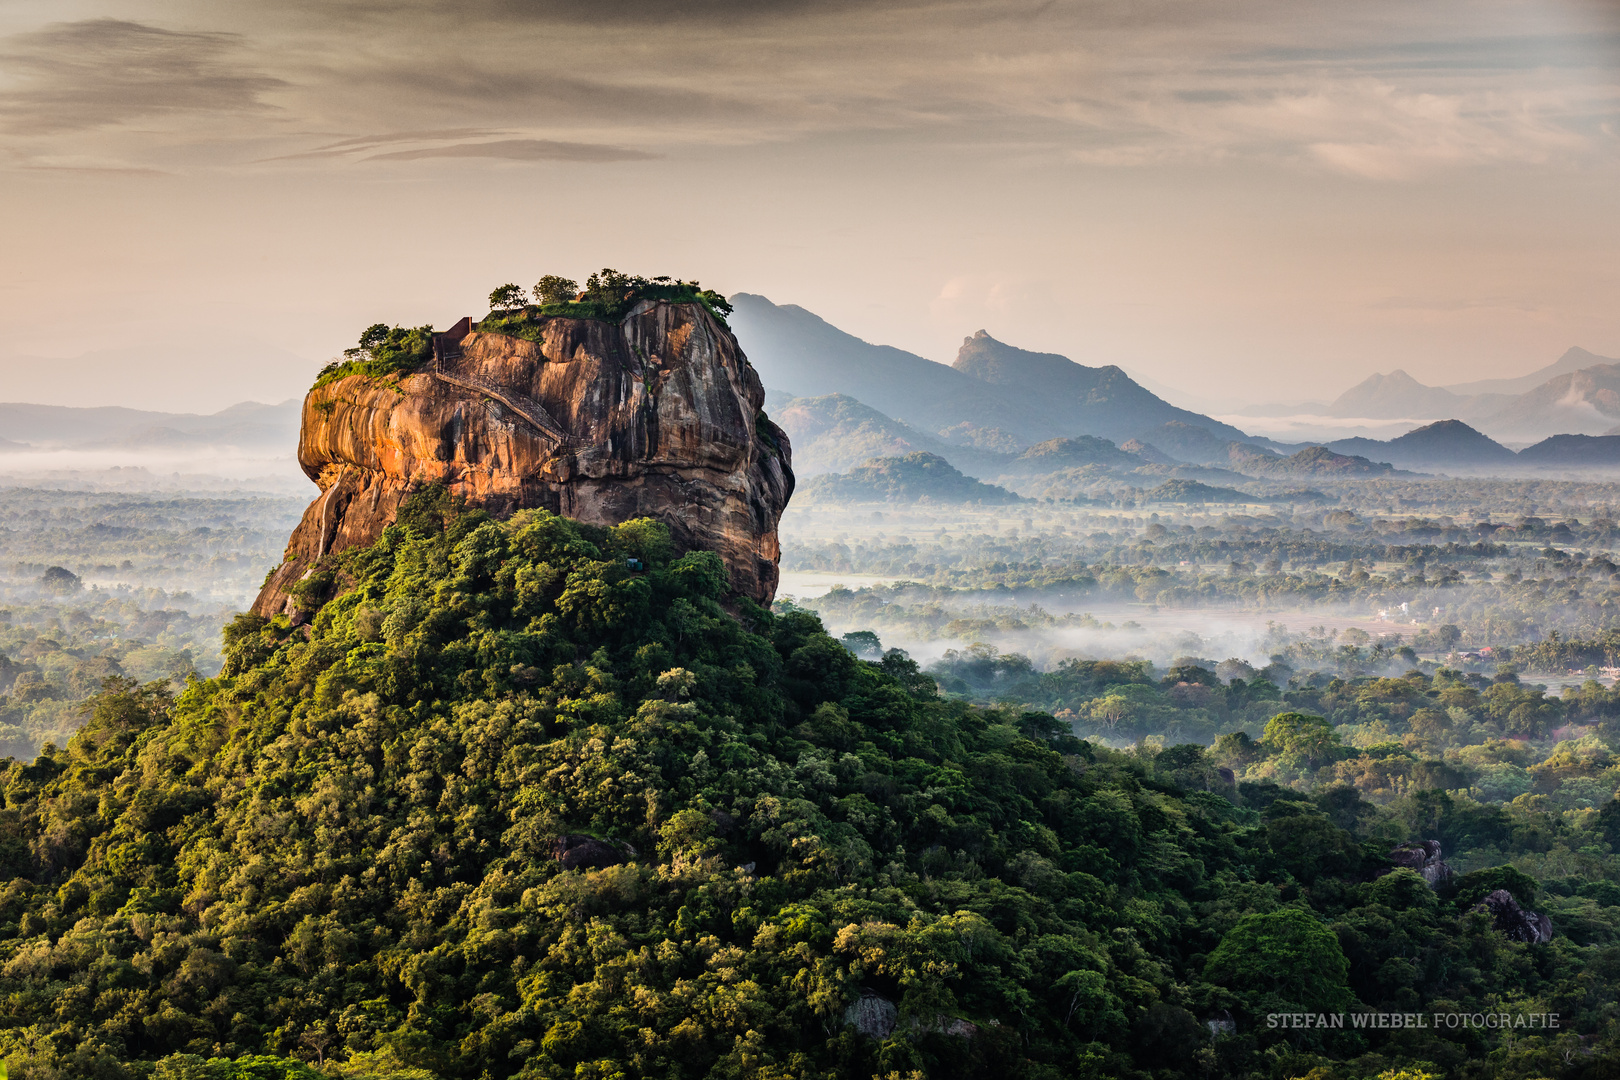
<point>846,452</point>
<point>1054,454</point>
<point>1452,446</point>
<point>1575,451</point>
<point>1585,402</point>
<point>834,432</point>
<point>1102,401</point>
<point>1398,396</point>
<point>891,423</point>
<point>1199,446</point>
<point>1579,394</point>
<point>1572,361</point>
<point>1448,444</point>
<point>905,479</point>
<point>249,425</point>
<point>193,368</point>
<point>1043,424</point>
<point>993,396</point>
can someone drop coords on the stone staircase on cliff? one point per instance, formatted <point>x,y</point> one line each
<point>447,349</point>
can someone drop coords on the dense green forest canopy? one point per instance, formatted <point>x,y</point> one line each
<point>1483,741</point>
<point>383,350</point>
<point>536,798</point>
<point>608,295</point>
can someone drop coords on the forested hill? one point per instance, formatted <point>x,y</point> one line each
<point>524,799</point>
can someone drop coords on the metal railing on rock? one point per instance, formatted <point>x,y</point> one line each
<point>447,347</point>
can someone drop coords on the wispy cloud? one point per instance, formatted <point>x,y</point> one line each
<point>100,72</point>
<point>1384,90</point>
<point>520,150</point>
<point>361,143</point>
<point>91,166</point>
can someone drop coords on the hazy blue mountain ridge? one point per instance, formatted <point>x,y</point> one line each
<point>835,432</point>
<point>1397,395</point>
<point>799,353</point>
<point>248,424</point>
<point>1093,400</point>
<point>1574,359</point>
<point>993,391</point>
<point>1445,443</point>
<point>905,479</point>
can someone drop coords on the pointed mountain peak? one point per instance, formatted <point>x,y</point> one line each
<point>1577,354</point>
<point>983,357</point>
<point>1444,427</point>
<point>1398,377</point>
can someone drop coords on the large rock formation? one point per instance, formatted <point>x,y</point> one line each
<point>1423,856</point>
<point>658,415</point>
<point>1518,923</point>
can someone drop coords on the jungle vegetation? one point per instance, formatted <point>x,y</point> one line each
<point>608,295</point>
<point>513,804</point>
<point>148,580</point>
<point>383,350</point>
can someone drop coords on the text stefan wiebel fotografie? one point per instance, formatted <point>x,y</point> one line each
<point>1412,1020</point>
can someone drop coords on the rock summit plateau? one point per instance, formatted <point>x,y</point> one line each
<point>658,414</point>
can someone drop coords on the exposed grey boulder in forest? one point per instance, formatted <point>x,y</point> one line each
<point>1424,857</point>
<point>657,415</point>
<point>873,1015</point>
<point>585,853</point>
<point>1518,923</point>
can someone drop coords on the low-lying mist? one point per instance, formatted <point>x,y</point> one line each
<point>189,469</point>
<point>1054,582</point>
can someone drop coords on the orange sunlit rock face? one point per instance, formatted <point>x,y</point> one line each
<point>657,416</point>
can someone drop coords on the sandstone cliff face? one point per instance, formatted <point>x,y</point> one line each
<point>656,416</point>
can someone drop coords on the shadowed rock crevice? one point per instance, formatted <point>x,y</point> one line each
<point>658,415</point>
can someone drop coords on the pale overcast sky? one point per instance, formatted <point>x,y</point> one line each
<point>1250,200</point>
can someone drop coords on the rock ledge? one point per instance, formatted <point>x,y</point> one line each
<point>656,416</point>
